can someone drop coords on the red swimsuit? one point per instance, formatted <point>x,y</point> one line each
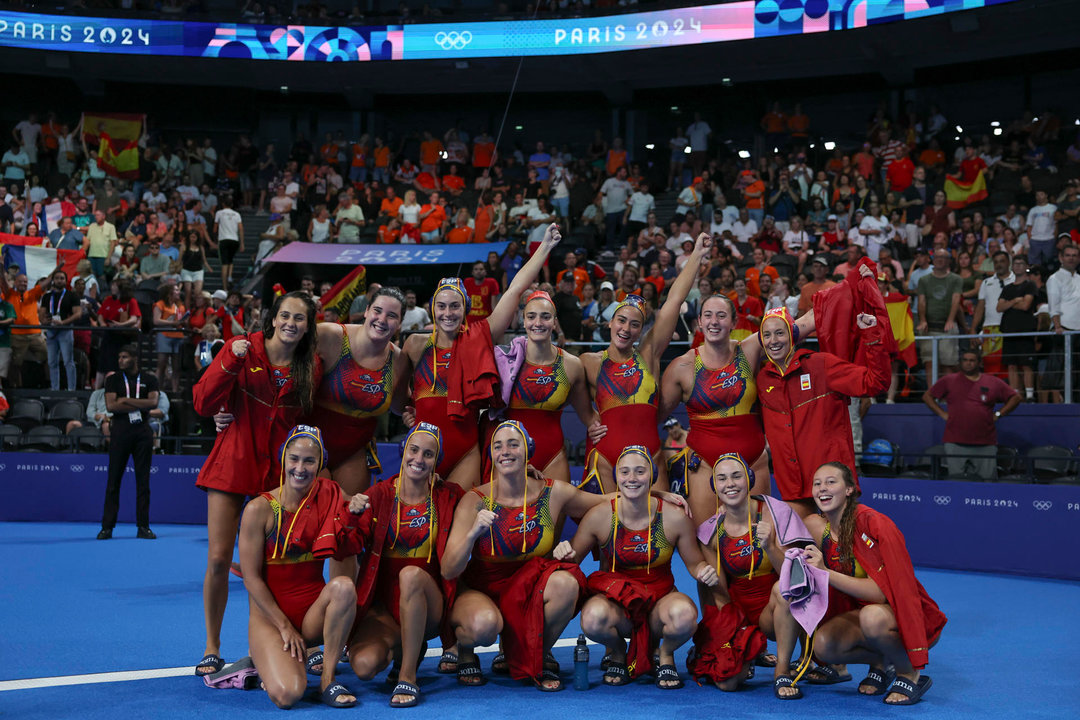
<point>429,399</point>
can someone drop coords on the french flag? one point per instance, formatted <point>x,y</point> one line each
<point>35,261</point>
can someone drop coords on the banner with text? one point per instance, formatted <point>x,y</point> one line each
<point>333,254</point>
<point>457,41</point>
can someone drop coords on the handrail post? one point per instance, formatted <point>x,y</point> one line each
<point>934,359</point>
<point>1068,368</point>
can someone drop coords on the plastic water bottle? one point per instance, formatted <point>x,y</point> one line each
<point>581,664</point>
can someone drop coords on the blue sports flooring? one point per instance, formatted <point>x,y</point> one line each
<point>72,605</point>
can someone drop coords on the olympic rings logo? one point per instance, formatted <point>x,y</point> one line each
<point>77,468</point>
<point>943,499</point>
<point>453,40</point>
<point>1042,504</point>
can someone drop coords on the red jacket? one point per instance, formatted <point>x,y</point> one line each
<point>245,459</point>
<point>805,410</point>
<point>472,379</point>
<point>376,523</point>
<point>879,548</point>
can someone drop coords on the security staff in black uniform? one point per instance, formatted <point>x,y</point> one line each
<point>130,396</point>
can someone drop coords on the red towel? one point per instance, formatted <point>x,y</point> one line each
<point>472,380</point>
<point>638,598</point>
<point>522,608</point>
<point>724,642</point>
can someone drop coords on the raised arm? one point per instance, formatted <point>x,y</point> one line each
<point>471,520</point>
<point>858,381</point>
<point>658,338</point>
<point>506,309</point>
<point>219,378</point>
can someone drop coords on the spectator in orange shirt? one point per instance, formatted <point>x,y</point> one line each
<point>901,171</point>
<point>329,151</point>
<point>461,232</point>
<point>754,195</point>
<point>358,166</point>
<point>932,157</point>
<point>390,204</point>
<point>453,183</point>
<point>485,214</point>
<point>381,155</point>
<point>24,341</point>
<point>579,275</point>
<point>483,151</point>
<point>798,124</point>
<point>821,281</point>
<point>616,157</point>
<point>431,150</point>
<point>775,126</point>
<point>864,162</point>
<point>390,232</point>
<point>425,182</point>
<point>432,219</point>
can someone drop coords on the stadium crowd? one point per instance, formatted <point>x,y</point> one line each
<point>789,221</point>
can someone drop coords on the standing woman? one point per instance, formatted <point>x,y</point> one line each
<point>360,371</point>
<point>119,311</point>
<point>453,369</point>
<point>265,380</point>
<point>194,264</point>
<point>805,411</point>
<point>169,313</point>
<point>623,378</point>
<point>401,596</point>
<point>635,589</point>
<point>879,613</point>
<point>409,214</point>
<point>285,535</point>
<point>508,528</point>
<point>539,381</point>
<point>717,382</point>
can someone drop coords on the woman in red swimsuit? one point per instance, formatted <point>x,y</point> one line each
<point>546,379</point>
<point>359,377</point>
<point>452,370</point>
<point>508,529</point>
<point>284,537</point>
<point>265,380</point>
<point>622,378</point>
<point>716,381</point>
<point>401,595</point>
<point>635,590</point>
<point>879,613</point>
<point>741,541</point>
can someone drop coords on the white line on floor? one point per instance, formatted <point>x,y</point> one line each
<point>128,675</point>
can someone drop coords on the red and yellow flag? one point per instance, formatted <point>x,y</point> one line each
<point>116,136</point>
<point>960,194</point>
<point>903,326</point>
<point>340,296</point>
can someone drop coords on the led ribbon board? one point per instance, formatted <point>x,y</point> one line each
<point>744,20</point>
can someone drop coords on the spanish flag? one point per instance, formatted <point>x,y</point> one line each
<point>340,296</point>
<point>960,194</point>
<point>903,326</point>
<point>116,136</point>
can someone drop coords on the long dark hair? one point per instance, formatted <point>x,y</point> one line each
<point>846,532</point>
<point>303,362</point>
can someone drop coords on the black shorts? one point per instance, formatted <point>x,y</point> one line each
<point>227,250</point>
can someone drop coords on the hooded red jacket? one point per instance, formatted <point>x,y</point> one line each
<point>805,409</point>
<point>879,548</point>
<point>245,459</point>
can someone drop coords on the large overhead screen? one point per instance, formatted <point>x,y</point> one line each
<point>459,41</point>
